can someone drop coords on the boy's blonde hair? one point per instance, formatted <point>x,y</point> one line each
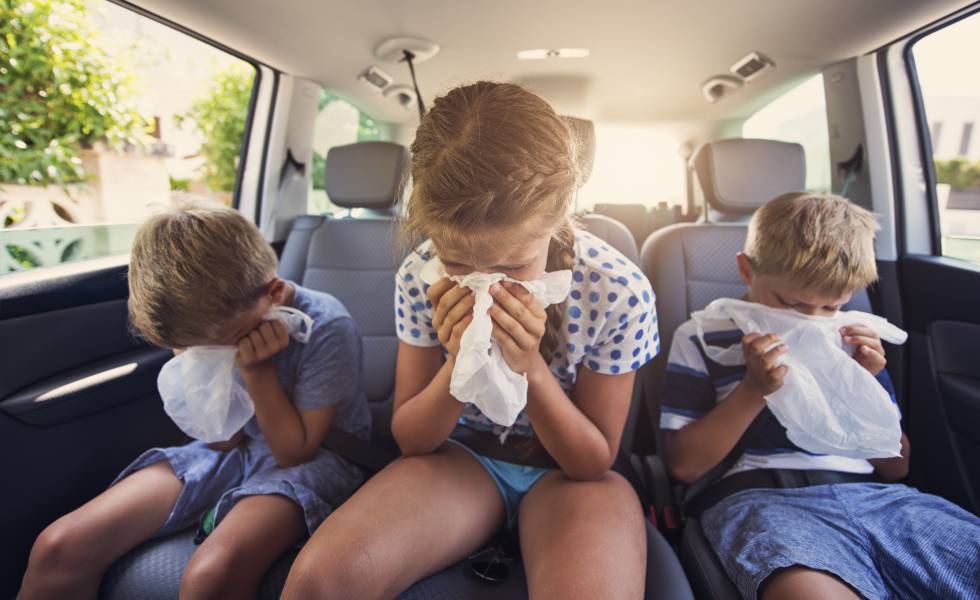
<point>191,269</point>
<point>816,240</point>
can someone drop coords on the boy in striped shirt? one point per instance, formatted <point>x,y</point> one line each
<point>843,533</point>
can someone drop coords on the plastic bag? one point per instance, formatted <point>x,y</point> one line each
<point>828,402</point>
<point>200,391</point>
<point>481,375</point>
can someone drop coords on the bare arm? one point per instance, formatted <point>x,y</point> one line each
<point>583,434</point>
<point>293,435</point>
<point>425,413</point>
<point>893,469</point>
<point>693,450</point>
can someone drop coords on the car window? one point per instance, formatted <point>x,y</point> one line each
<point>634,164</point>
<point>799,115</point>
<point>338,123</point>
<point>107,114</point>
<point>951,99</point>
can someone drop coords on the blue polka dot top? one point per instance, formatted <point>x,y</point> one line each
<point>609,322</point>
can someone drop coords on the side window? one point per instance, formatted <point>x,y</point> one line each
<point>951,98</point>
<point>338,123</point>
<point>107,114</point>
<point>800,116</point>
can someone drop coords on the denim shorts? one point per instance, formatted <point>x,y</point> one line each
<point>884,540</point>
<point>214,479</point>
<point>513,481</point>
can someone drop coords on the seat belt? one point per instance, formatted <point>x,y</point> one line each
<point>714,474</point>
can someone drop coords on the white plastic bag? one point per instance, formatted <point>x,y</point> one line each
<point>481,375</point>
<point>828,402</point>
<point>199,389</point>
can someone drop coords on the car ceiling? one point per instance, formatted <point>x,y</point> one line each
<point>648,58</point>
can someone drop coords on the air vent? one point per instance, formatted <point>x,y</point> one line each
<point>376,78</point>
<point>752,66</point>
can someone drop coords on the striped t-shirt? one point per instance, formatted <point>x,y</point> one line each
<point>695,384</point>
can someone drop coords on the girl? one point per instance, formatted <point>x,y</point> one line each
<point>494,181</point>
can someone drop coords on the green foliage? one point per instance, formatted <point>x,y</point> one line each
<point>958,173</point>
<point>179,185</point>
<point>220,117</point>
<point>59,91</point>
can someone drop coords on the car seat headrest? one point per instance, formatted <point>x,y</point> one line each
<point>366,174</point>
<point>583,133</point>
<point>738,176</point>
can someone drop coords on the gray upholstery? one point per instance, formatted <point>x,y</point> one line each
<point>355,260</point>
<point>614,233</point>
<point>739,175</point>
<point>366,174</point>
<point>292,262</point>
<point>152,572</point>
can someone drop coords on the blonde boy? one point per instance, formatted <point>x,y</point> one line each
<point>787,523</point>
<point>203,275</point>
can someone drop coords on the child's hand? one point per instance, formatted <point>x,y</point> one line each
<point>761,352</point>
<point>869,352</point>
<point>264,342</point>
<point>518,324</point>
<point>452,312</point>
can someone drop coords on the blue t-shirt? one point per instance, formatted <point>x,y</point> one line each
<point>609,322</point>
<point>327,370</point>
<point>695,384</point>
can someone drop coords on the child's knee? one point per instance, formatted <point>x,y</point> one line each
<point>343,575</point>
<point>60,546</point>
<point>209,573</point>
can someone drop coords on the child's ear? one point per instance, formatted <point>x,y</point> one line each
<point>744,268</point>
<point>277,290</point>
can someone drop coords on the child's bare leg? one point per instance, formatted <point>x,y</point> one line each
<point>70,556</point>
<point>800,583</point>
<point>235,557</point>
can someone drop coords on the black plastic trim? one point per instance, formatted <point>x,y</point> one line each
<point>43,294</point>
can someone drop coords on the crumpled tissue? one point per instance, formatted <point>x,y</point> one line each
<point>828,403</point>
<point>481,375</point>
<point>200,391</point>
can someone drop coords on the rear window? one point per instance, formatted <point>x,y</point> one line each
<point>338,123</point>
<point>634,164</point>
<point>105,115</point>
<point>799,115</point>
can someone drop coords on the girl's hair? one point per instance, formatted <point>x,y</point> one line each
<point>494,155</point>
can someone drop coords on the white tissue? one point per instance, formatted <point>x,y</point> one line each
<point>200,392</point>
<point>481,375</point>
<point>828,402</point>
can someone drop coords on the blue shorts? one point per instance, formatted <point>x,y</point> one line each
<point>512,480</point>
<point>214,479</point>
<point>884,540</point>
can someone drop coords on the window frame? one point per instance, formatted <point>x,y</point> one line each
<point>922,127</point>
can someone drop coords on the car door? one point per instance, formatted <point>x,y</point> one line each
<point>935,110</point>
<point>78,397</point>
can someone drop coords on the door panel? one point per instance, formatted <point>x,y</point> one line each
<point>78,400</point>
<point>941,299</point>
